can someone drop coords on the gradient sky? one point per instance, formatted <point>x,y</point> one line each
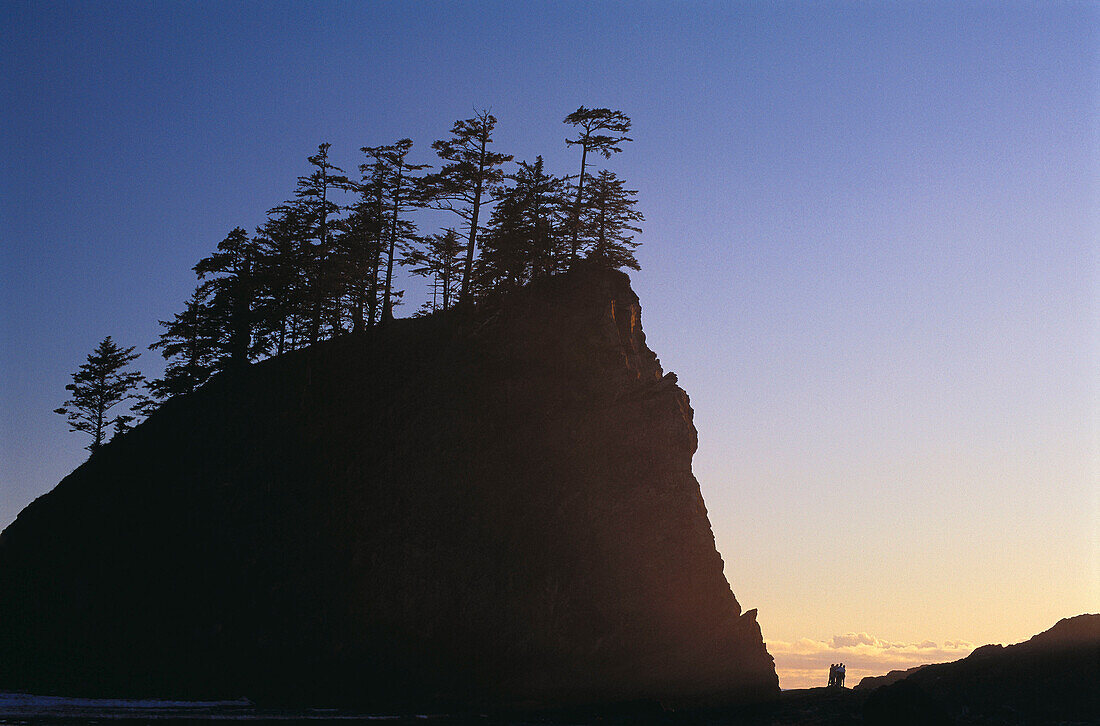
<point>870,255</point>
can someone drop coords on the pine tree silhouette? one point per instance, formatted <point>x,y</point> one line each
<point>470,179</point>
<point>601,130</point>
<point>99,385</point>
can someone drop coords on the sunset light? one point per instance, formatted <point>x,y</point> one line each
<point>324,379</point>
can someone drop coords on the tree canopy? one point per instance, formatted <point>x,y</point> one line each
<point>325,262</point>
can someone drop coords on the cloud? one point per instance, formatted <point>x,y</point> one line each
<point>852,639</point>
<point>805,662</point>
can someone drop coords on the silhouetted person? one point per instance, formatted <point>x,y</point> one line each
<point>832,675</point>
<point>840,675</point>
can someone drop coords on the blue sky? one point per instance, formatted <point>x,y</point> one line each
<point>870,252</point>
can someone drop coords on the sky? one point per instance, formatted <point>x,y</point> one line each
<point>870,255</point>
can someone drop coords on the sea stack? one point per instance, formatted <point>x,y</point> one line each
<point>474,509</point>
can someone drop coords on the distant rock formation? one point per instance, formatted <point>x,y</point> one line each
<point>1051,678</point>
<point>870,683</point>
<point>478,511</point>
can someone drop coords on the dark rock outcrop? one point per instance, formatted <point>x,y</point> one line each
<point>490,511</point>
<point>1051,678</point>
<point>870,683</point>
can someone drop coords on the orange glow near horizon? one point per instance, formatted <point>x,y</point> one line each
<point>805,662</point>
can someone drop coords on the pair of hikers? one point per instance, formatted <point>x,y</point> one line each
<point>836,675</point>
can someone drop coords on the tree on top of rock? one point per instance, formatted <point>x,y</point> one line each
<point>280,304</point>
<point>524,240</point>
<point>599,130</point>
<point>314,193</point>
<point>99,385</point>
<point>608,221</point>
<point>470,178</point>
<point>191,343</point>
<point>439,258</point>
<point>231,275</point>
<point>400,192</point>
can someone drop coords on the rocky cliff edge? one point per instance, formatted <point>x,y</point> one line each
<point>495,509</point>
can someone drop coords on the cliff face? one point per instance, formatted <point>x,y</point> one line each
<point>494,511</point>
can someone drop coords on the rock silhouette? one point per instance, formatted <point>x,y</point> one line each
<point>466,510</point>
<point>870,683</point>
<point>1051,678</point>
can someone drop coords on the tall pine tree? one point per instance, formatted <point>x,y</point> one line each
<point>599,130</point>
<point>401,193</point>
<point>191,343</point>
<point>366,235</point>
<point>282,245</point>
<point>525,233</point>
<point>440,258</point>
<point>230,273</point>
<point>469,179</point>
<point>315,193</point>
<point>99,385</point>
<point>607,223</point>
